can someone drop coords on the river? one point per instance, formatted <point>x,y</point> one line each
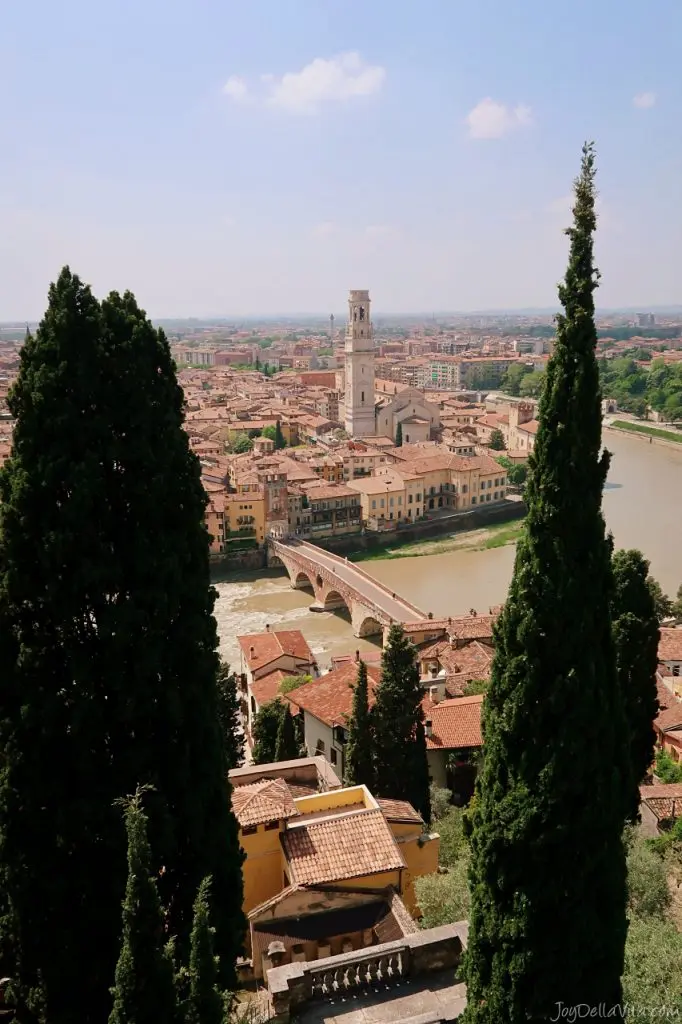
<point>642,506</point>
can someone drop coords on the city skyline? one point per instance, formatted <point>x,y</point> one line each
<point>245,160</point>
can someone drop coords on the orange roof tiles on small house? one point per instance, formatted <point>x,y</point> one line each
<point>261,649</point>
<point>670,645</point>
<point>261,802</point>
<point>455,724</point>
<point>339,848</point>
<point>330,698</point>
<point>399,810</point>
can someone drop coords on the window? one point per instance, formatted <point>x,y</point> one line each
<point>362,396</point>
<point>270,826</point>
<point>495,495</point>
<point>333,755</point>
<point>419,497</point>
<point>409,499</point>
<point>400,499</point>
<point>391,502</point>
<point>249,830</point>
<point>374,504</point>
<point>319,749</point>
<point>381,503</point>
<point>253,706</point>
<point>473,500</point>
<point>464,488</point>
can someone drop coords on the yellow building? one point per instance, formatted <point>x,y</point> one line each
<point>335,847</point>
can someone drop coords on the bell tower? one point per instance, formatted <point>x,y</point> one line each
<point>359,367</point>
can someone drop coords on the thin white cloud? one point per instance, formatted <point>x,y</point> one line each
<point>492,120</point>
<point>322,82</point>
<point>381,233</point>
<point>325,229</point>
<point>644,100</point>
<point>236,88</point>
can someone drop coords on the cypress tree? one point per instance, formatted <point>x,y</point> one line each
<point>358,760</point>
<point>108,657</point>
<point>548,923</point>
<point>636,635</point>
<point>399,436</point>
<point>265,732</point>
<point>205,1004</point>
<point>144,989</point>
<point>396,714</point>
<point>229,717</point>
<point>279,436</point>
<point>286,748</point>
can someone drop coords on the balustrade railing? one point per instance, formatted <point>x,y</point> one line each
<point>370,971</point>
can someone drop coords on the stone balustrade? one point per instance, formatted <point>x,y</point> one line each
<point>377,968</point>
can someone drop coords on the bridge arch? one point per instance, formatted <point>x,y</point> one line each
<point>368,626</point>
<point>302,581</point>
<point>333,600</point>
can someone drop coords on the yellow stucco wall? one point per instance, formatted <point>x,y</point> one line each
<point>420,851</point>
<point>263,869</point>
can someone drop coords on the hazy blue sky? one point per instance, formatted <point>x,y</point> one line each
<point>263,156</point>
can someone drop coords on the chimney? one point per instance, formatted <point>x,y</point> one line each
<point>428,727</point>
<point>267,627</point>
<point>434,694</point>
<point>252,651</point>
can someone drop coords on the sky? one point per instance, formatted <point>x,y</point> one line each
<point>257,157</point>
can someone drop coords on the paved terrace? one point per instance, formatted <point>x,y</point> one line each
<point>336,581</point>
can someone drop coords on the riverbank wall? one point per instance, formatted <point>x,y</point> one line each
<point>646,438</point>
<point>359,546</point>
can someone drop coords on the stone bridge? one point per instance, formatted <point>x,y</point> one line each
<point>336,582</point>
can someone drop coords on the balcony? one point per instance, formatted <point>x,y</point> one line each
<point>243,531</point>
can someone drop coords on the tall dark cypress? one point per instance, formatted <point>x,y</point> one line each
<point>548,922</point>
<point>397,712</point>
<point>636,635</point>
<point>206,1003</point>
<point>144,988</point>
<point>108,657</point>
<point>286,748</point>
<point>358,755</point>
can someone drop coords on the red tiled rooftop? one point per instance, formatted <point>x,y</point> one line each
<point>267,647</point>
<point>330,698</point>
<point>456,723</point>
<point>670,645</point>
<point>260,802</point>
<point>341,847</point>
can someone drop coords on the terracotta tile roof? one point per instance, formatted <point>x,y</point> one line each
<point>670,645</point>
<point>471,661</point>
<point>266,688</point>
<point>330,698</point>
<point>669,719</point>
<point>399,810</point>
<point>472,627</point>
<point>455,723</point>
<point>268,647</point>
<point>267,800</point>
<point>665,799</point>
<point>341,847</point>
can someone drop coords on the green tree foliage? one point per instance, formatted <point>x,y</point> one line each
<point>286,747</point>
<point>648,893</point>
<point>636,636</point>
<point>511,382</point>
<point>441,800</point>
<point>517,472</point>
<point>662,603</point>
<point>398,749</point>
<point>269,432</point>
<point>667,769</point>
<point>265,731</point>
<point>279,436</point>
<point>497,441</point>
<point>242,443</point>
<point>229,717</point>
<point>475,686</point>
<point>532,384</point>
<point>659,386</point>
<point>358,760</point>
<point>652,979</point>
<point>676,609</point>
<point>108,657</point>
<point>550,798</point>
<point>205,1003</point>
<point>444,898</point>
<point>290,683</point>
<point>451,827</point>
<point>144,989</point>
<point>399,436</point>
